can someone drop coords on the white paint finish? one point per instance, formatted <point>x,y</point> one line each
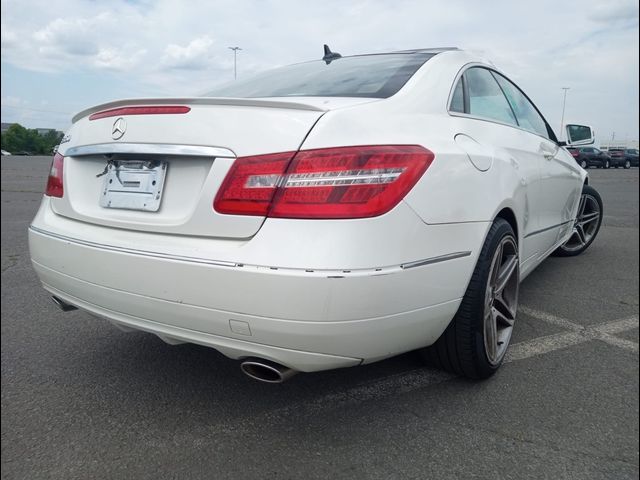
<point>449,210</point>
<point>481,156</point>
<point>385,336</point>
<point>258,291</point>
<point>334,245</point>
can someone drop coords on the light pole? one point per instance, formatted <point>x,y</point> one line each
<point>235,55</point>
<point>564,103</point>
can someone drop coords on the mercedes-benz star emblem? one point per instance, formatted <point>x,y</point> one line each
<point>119,127</point>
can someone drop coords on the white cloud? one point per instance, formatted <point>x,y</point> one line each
<point>163,47</point>
<point>613,11</point>
<point>114,59</point>
<point>197,55</point>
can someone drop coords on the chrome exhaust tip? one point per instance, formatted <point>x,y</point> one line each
<point>62,305</point>
<point>266,370</point>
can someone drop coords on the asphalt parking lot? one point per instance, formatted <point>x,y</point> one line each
<point>81,399</point>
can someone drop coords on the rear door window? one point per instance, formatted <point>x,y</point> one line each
<point>528,117</point>
<point>486,99</point>
<point>457,101</point>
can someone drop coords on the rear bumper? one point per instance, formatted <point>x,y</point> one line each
<point>305,319</point>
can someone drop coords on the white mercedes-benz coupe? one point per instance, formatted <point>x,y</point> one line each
<point>322,215</point>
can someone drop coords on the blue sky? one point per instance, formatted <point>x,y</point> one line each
<point>61,57</point>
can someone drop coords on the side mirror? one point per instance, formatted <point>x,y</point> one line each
<point>580,135</point>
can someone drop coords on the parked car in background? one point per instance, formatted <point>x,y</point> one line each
<point>5,153</point>
<point>23,153</point>
<point>590,157</point>
<point>326,214</point>
<point>623,157</point>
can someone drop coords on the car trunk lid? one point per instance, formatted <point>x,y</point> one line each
<point>176,160</point>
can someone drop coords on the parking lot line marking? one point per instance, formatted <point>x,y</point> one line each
<point>604,331</point>
<point>617,326</point>
<point>550,318</point>
<point>416,379</point>
<point>619,342</point>
<point>542,345</point>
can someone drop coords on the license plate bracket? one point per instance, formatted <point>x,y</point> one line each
<point>134,185</point>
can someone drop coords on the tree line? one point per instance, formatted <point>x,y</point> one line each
<point>20,139</point>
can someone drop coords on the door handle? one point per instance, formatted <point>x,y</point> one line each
<point>548,152</point>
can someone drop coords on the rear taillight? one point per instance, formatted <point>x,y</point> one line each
<point>251,183</point>
<point>342,182</point>
<point>54,182</point>
<point>575,154</point>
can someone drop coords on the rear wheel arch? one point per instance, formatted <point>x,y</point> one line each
<point>508,214</point>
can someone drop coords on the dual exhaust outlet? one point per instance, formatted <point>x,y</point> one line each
<point>256,368</point>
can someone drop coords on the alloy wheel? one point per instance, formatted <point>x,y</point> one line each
<point>586,225</point>
<point>501,300</point>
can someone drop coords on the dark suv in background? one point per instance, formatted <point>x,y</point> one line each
<point>627,157</point>
<point>591,157</point>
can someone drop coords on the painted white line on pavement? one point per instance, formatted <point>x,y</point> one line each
<point>617,326</point>
<point>549,318</point>
<point>424,377</point>
<point>542,345</point>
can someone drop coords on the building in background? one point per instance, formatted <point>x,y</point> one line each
<point>5,126</point>
<point>619,144</point>
<point>44,131</point>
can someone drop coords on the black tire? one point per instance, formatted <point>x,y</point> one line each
<point>607,165</point>
<point>461,348</point>
<point>627,165</point>
<point>584,164</point>
<point>562,250</point>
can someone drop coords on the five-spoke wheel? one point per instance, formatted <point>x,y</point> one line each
<point>586,225</point>
<point>501,300</point>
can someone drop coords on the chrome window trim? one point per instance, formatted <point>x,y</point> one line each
<point>484,119</point>
<point>150,149</point>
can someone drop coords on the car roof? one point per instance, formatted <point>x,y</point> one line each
<point>427,50</point>
<point>432,51</point>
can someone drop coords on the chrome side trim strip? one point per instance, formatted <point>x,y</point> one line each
<point>548,228</point>
<point>149,148</point>
<point>329,273</point>
<point>432,260</point>
<point>133,251</point>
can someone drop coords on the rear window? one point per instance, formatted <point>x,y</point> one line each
<point>375,76</point>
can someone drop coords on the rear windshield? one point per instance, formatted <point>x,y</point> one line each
<point>375,76</point>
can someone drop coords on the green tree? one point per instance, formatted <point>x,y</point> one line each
<point>17,138</point>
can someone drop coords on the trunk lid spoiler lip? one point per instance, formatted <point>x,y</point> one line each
<point>241,102</point>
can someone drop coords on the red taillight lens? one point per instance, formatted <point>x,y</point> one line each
<point>54,182</point>
<point>343,182</point>
<point>251,183</point>
<point>575,154</point>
